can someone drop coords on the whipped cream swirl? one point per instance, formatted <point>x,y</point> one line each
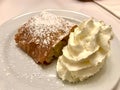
<point>86,52</point>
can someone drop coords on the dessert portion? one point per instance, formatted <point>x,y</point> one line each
<point>86,51</point>
<point>43,36</point>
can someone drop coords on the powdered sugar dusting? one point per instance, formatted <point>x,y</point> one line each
<point>46,28</point>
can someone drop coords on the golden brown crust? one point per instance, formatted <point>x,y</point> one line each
<point>41,34</point>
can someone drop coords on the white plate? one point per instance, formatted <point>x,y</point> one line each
<point>19,72</point>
